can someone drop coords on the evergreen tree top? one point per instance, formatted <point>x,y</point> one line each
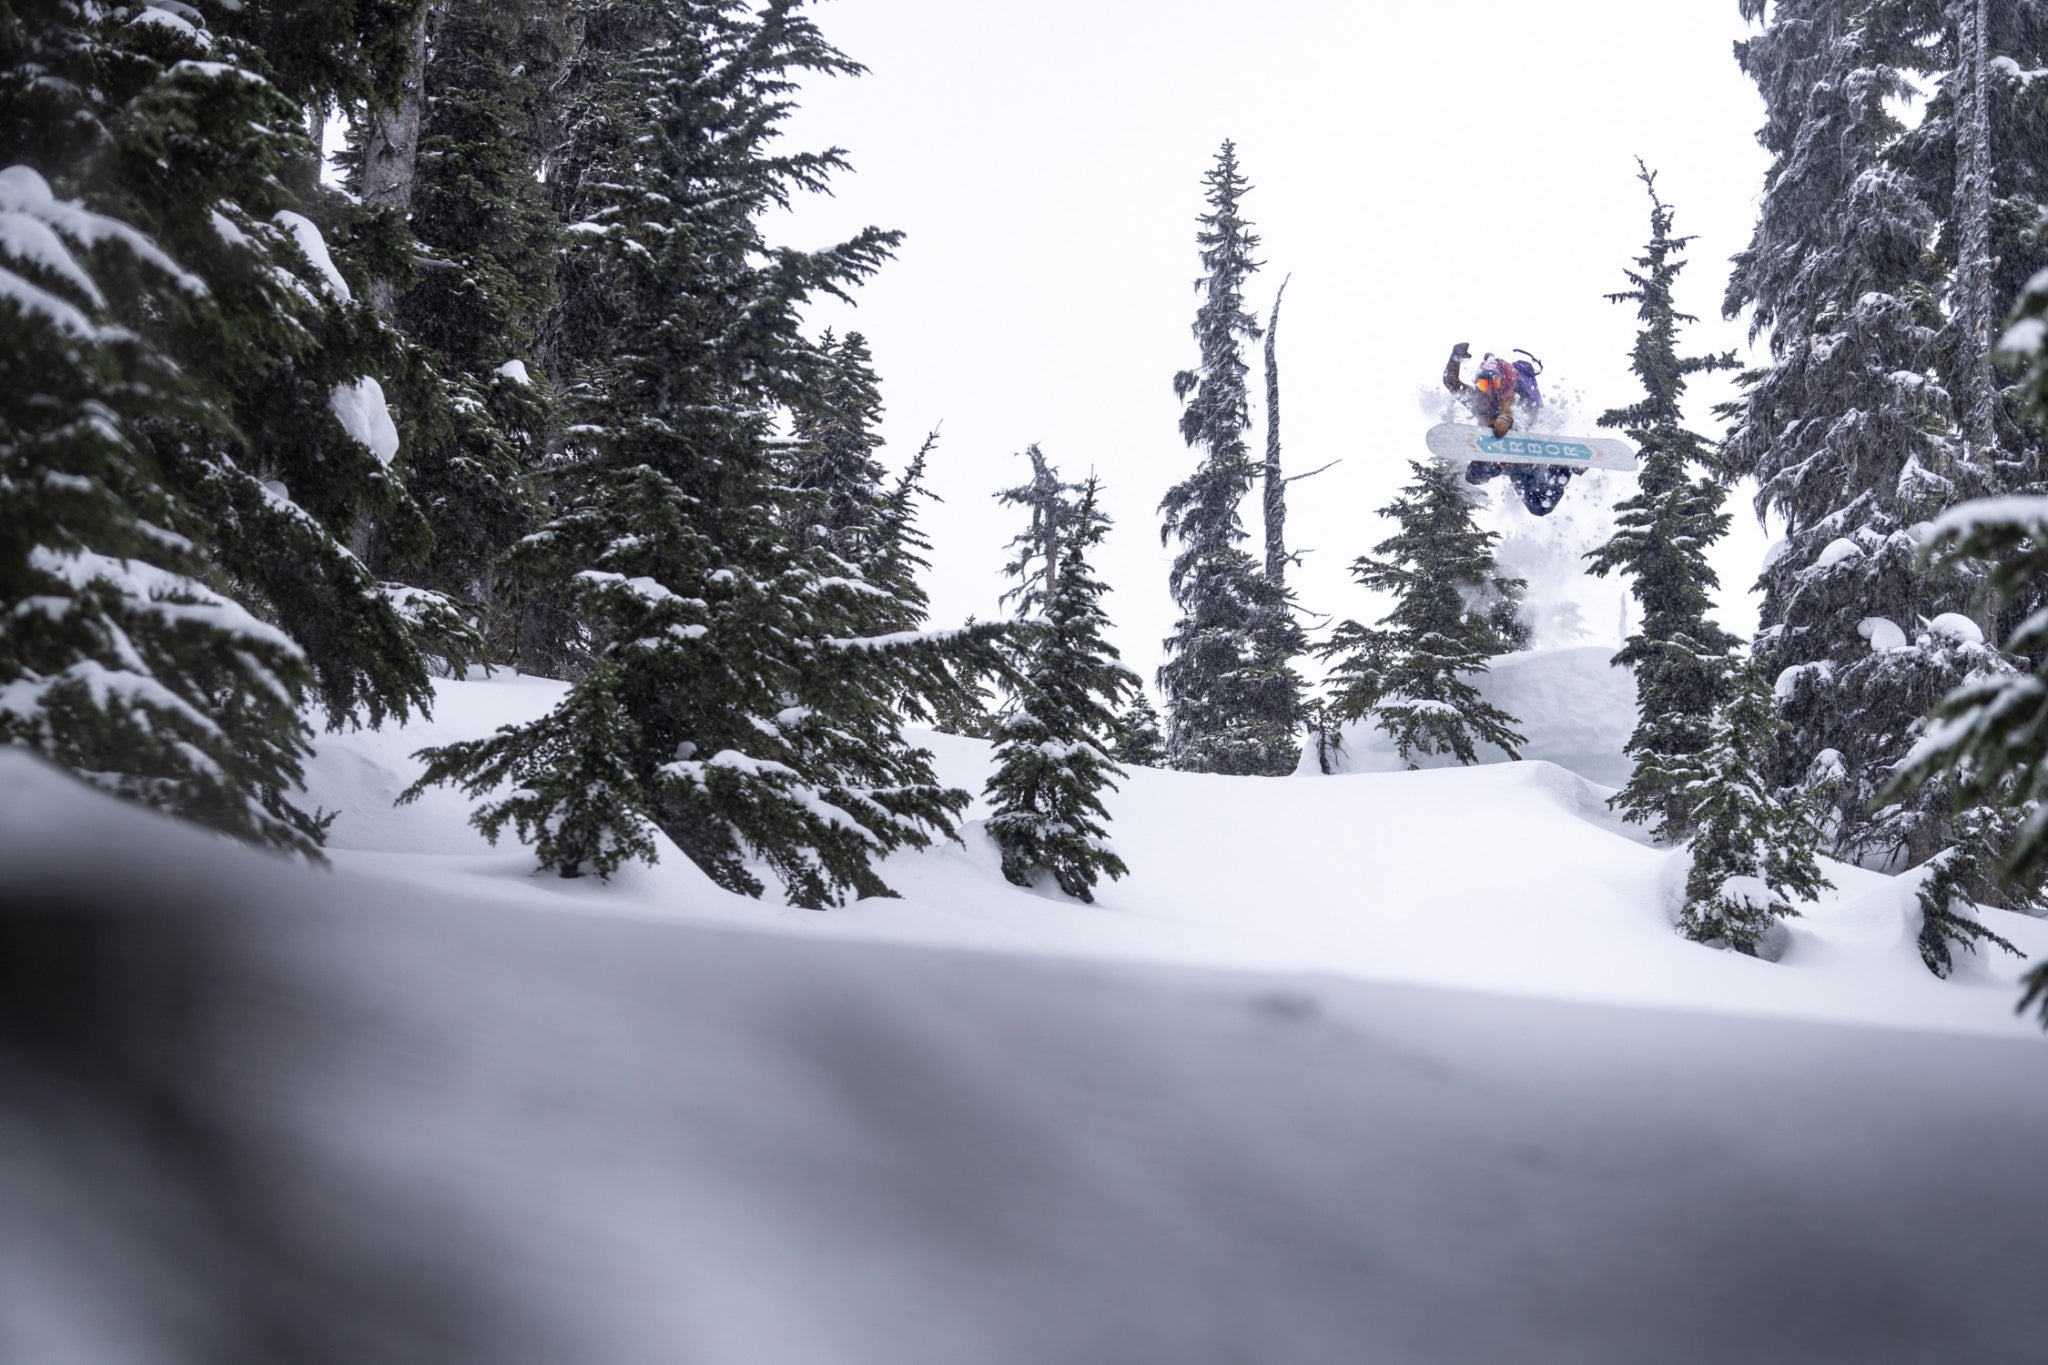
<point>1657,422</point>
<point>1226,238</point>
<point>1836,222</point>
<point>1040,549</point>
<point>1218,407</point>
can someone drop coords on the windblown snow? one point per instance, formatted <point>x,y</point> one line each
<point>1381,1066</point>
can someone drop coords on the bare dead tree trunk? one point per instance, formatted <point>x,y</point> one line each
<point>1276,484</point>
<point>391,147</point>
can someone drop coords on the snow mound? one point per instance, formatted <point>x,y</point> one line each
<point>1884,634</point>
<point>1955,626</point>
<point>306,233</point>
<point>1513,878</point>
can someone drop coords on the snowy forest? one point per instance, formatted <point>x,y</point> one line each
<point>509,851</point>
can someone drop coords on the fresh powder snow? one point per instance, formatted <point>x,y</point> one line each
<point>307,234</point>
<point>1435,1082</point>
<point>1510,878</point>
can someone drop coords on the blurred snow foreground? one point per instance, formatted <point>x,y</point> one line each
<point>1290,1093</point>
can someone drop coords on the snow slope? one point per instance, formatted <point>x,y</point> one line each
<point>1509,878</point>
<point>255,1112</point>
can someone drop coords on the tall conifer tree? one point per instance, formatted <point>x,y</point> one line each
<point>1661,539</point>
<point>837,436</point>
<point>1851,432</point>
<point>1274,481</point>
<point>735,701</point>
<point>1233,699</point>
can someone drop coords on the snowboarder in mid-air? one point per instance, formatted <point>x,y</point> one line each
<point>1500,388</point>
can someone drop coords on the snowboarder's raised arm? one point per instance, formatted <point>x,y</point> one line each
<point>1460,353</point>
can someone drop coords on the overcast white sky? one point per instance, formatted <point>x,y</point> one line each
<point>1427,174</point>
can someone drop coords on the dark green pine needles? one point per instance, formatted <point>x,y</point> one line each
<point>1660,543</point>
<point>1052,758</point>
<point>1413,672</point>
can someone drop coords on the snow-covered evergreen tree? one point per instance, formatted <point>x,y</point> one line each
<point>757,720</point>
<point>1753,849</point>
<point>567,784</point>
<point>1991,739</point>
<point>1413,672</point>
<point>1139,741</point>
<point>1052,749</point>
<point>1661,538</point>
<point>946,688</point>
<point>481,285</point>
<point>222,433</point>
<point>118,661</point>
<point>1974,158</point>
<point>1233,698</point>
<point>837,435</point>
<point>1850,431</point>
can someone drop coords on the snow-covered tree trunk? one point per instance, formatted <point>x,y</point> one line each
<point>1276,482</point>
<point>1971,300</point>
<point>391,148</point>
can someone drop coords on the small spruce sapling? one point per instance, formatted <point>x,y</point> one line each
<point>572,796</point>
<point>1139,743</point>
<point>1753,850</point>
<point>1413,672</point>
<point>1051,756</point>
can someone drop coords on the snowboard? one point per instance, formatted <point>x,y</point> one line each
<point>1461,443</point>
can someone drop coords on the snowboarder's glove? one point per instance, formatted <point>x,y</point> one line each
<point>1503,425</point>
<point>1460,353</point>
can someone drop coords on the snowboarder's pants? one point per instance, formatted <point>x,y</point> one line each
<point>1541,485</point>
